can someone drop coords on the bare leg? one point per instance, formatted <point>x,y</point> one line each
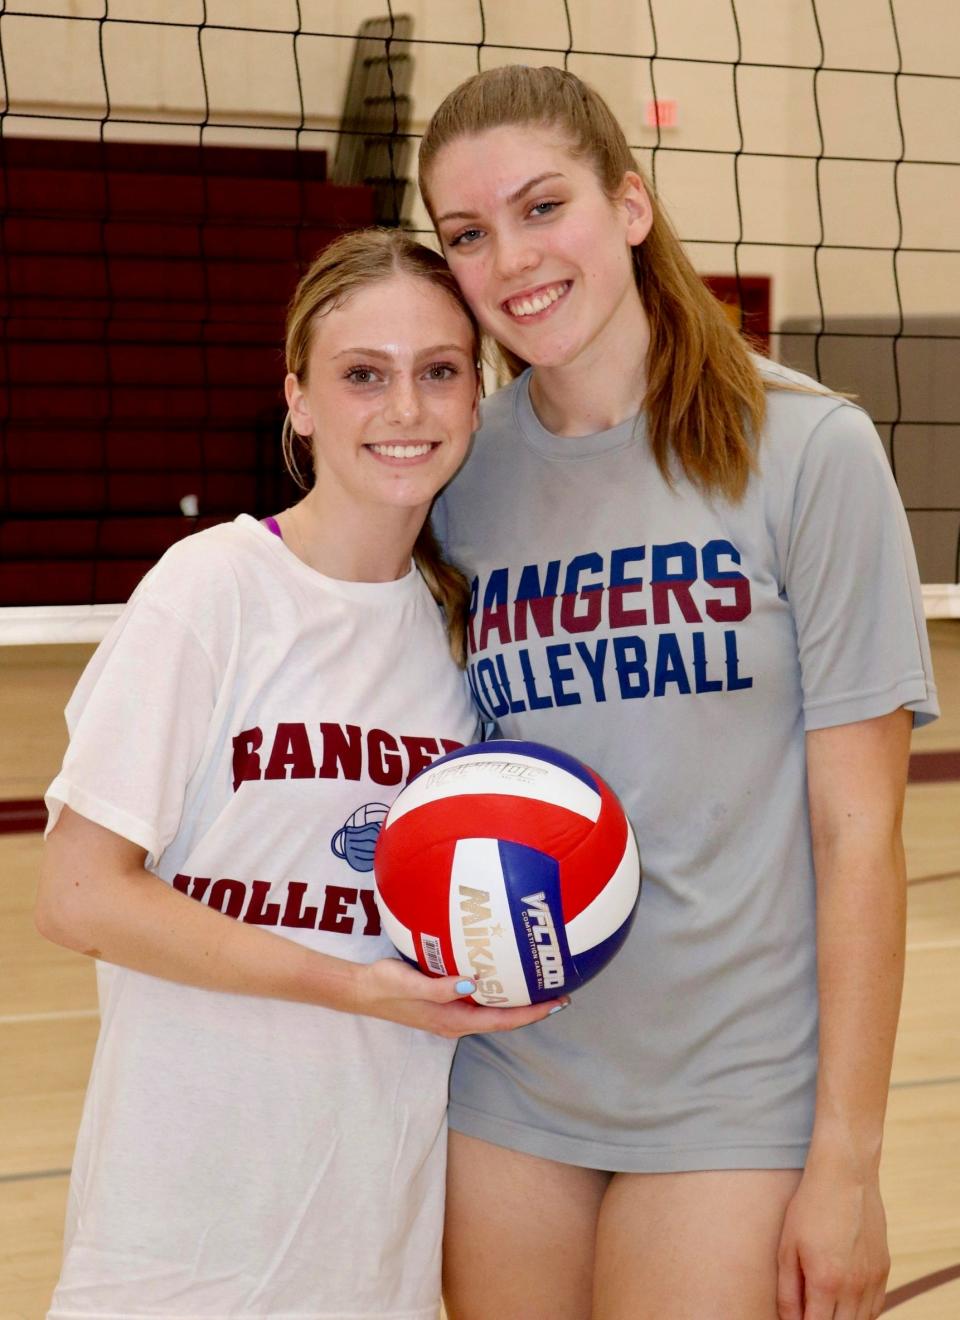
<point>691,1246</point>
<point>519,1241</point>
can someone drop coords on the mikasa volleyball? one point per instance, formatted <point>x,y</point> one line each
<point>511,863</point>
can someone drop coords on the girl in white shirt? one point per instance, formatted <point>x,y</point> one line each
<point>264,1131</point>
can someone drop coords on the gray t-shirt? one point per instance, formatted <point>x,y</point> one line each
<point>682,646</point>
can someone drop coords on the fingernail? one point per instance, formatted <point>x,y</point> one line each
<point>465,987</point>
<point>558,1008</point>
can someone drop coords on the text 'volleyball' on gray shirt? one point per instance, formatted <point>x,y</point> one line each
<point>682,646</point>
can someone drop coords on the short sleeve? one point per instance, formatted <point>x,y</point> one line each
<point>850,576</point>
<point>138,723</point>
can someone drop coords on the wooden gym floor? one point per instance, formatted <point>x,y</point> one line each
<point>48,1014</point>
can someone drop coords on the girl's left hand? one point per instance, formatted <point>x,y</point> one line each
<point>833,1260</point>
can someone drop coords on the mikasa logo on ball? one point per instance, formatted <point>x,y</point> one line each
<point>474,909</point>
<point>542,934</point>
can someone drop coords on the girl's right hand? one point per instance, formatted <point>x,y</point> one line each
<point>397,992</point>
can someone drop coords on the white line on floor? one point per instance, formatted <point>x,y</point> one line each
<point>10,1019</point>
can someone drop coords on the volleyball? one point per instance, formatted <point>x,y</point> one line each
<point>510,863</point>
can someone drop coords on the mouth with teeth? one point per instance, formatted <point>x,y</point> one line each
<point>403,451</point>
<point>537,303</point>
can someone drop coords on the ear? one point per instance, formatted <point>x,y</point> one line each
<point>476,403</point>
<point>297,404</point>
<point>635,200</point>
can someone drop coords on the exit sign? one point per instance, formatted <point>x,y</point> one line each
<point>660,114</point>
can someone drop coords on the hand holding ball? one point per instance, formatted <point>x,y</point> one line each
<point>511,863</point>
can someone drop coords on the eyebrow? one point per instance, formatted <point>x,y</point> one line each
<point>379,352</point>
<point>514,197</point>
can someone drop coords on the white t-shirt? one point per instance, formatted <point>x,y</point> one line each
<point>247,722</point>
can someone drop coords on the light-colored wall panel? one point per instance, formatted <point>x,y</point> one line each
<point>527,26</point>
<point>625,86</point>
<point>930,108</point>
<point>858,203</point>
<point>795,286</point>
<point>777,110</point>
<point>699,192</point>
<point>227,135</point>
<point>715,258</point>
<point>57,8</point>
<point>55,63</point>
<point>437,70</point>
<point>706,105</point>
<point>187,134</point>
<point>341,16</point>
<point>780,33</point>
<point>694,30</point>
<point>859,115</point>
<point>929,33</point>
<point>156,11</point>
<point>268,15</point>
<point>154,68</point>
<point>444,20</point>
<point>324,70</point>
<point>779,200</point>
<point>930,201</point>
<point>858,283</point>
<point>857,34</point>
<point>611,26</point>
<point>250,75</point>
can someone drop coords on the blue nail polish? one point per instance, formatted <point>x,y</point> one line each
<point>465,987</point>
<point>558,1008</point>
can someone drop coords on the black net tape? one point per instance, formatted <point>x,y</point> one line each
<point>148,254</point>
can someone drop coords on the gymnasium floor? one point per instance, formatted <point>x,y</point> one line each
<point>48,1016</point>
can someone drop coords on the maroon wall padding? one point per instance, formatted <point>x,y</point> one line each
<point>142,293</point>
<point>750,295</point>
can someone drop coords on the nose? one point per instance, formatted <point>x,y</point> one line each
<point>402,404</point>
<point>516,253</point>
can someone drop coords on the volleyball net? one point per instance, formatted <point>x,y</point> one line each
<point>169,167</point>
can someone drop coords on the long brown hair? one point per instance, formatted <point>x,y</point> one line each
<point>349,263</point>
<point>705,401</point>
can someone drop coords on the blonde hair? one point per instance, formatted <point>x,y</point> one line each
<point>705,401</point>
<point>355,261</point>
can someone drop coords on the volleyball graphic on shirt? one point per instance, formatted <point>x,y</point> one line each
<point>511,863</point>
<point>355,842</point>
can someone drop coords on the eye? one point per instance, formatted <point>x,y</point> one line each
<point>544,208</point>
<point>441,371</point>
<point>466,236</point>
<point>360,375</point>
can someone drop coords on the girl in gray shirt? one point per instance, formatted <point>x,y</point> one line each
<point>690,568</point>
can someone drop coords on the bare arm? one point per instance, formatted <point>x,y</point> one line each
<point>857,778</point>
<point>833,1252</point>
<point>96,897</point>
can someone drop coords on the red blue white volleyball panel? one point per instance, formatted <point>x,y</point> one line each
<point>512,863</point>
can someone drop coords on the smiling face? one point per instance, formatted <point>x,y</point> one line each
<point>389,397</point>
<point>542,254</point>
